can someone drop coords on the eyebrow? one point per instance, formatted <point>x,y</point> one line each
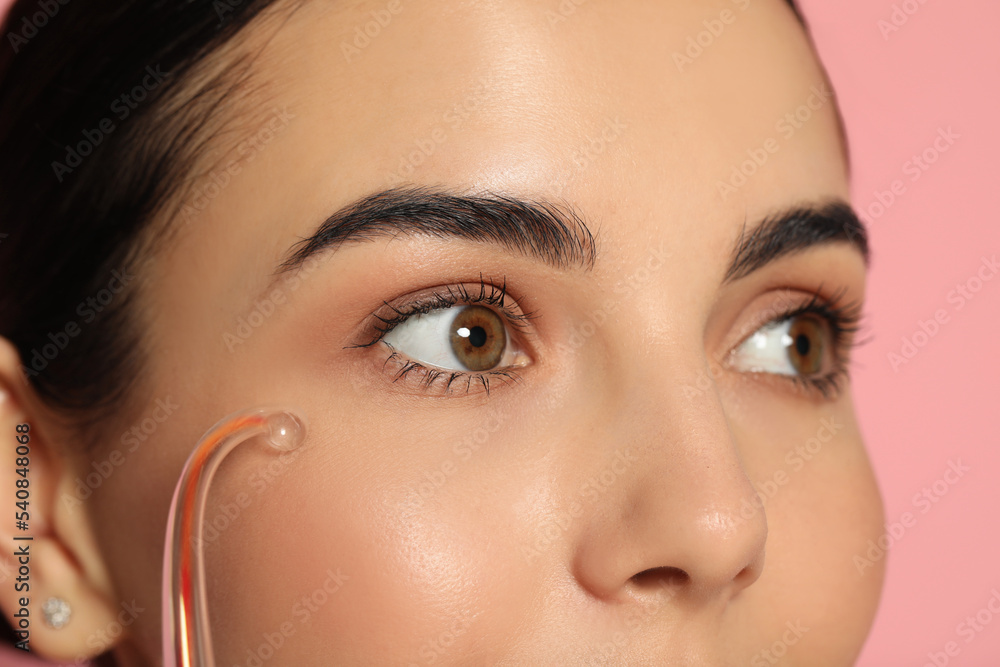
<point>555,235</point>
<point>794,230</point>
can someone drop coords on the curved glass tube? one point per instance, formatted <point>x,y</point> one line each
<point>187,637</point>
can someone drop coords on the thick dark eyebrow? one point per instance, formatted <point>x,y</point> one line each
<point>554,235</point>
<point>794,230</point>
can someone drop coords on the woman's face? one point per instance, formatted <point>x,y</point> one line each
<point>643,481</point>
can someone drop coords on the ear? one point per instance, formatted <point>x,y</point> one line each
<point>53,552</point>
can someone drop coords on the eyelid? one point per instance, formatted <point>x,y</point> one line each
<point>453,295</point>
<point>776,305</point>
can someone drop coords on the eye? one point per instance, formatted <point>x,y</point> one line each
<point>455,336</point>
<point>809,345</point>
<point>797,345</point>
<point>462,338</point>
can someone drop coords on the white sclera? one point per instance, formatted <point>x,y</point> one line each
<point>426,338</point>
<point>766,350</point>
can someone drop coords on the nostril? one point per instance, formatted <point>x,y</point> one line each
<point>660,577</point>
<point>751,572</point>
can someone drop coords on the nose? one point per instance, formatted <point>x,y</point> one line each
<point>682,517</point>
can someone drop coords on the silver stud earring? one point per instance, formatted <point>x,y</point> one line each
<point>56,612</point>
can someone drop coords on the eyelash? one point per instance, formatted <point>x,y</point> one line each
<point>448,298</point>
<point>843,321</point>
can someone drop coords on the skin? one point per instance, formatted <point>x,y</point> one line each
<point>512,559</point>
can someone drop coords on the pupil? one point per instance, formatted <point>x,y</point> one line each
<point>802,344</point>
<point>477,336</point>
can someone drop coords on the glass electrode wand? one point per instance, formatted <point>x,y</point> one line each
<point>187,640</point>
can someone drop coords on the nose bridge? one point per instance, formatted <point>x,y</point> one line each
<point>684,509</point>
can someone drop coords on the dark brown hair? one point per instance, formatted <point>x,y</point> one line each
<point>98,125</point>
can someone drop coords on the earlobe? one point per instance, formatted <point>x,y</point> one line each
<point>48,551</point>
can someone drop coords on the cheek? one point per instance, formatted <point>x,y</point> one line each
<point>823,510</point>
<point>356,536</point>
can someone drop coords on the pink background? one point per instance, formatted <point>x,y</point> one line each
<point>940,70</point>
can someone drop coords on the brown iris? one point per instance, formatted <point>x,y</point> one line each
<point>478,338</point>
<point>806,348</point>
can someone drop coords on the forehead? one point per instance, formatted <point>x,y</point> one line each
<point>677,119</point>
